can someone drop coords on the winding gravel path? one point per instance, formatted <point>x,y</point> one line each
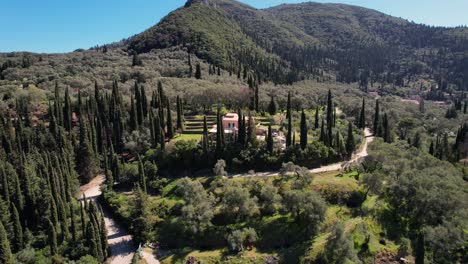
<point>120,242</point>
<point>368,138</point>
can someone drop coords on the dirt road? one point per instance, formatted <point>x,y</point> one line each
<point>120,242</point>
<point>368,138</point>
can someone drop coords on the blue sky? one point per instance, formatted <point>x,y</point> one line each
<point>65,25</point>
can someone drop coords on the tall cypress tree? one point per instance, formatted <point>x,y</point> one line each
<point>219,134</point>
<point>316,123</point>
<point>322,131</point>
<point>74,230</point>
<point>52,239</point>
<point>241,134</point>
<point>67,111</point>
<point>86,159</point>
<point>303,130</point>
<point>91,241</point>
<point>170,127</point>
<point>362,116</point>
<point>138,104</point>
<point>6,257</point>
<point>180,114</point>
<point>376,117</point>
<point>157,130</point>
<point>350,143</point>
<point>251,130</point>
<point>257,107</point>
<point>18,230</point>
<point>162,139</point>
<point>289,117</point>
<point>269,140</point>
<point>133,115</point>
<point>272,107</point>
<point>141,174</point>
<point>144,102</point>
<point>386,129</point>
<point>205,137</point>
<point>83,216</point>
<point>431,148</point>
<point>198,71</point>
<point>329,135</point>
<point>53,213</point>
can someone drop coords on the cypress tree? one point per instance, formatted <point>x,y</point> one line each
<point>289,117</point>
<point>136,61</point>
<point>376,117</point>
<point>86,159</point>
<point>5,187</point>
<point>251,130</point>
<point>350,144</point>
<point>362,116</point>
<point>18,230</point>
<point>138,105</point>
<point>205,137</point>
<point>104,242</point>
<point>420,250</point>
<point>67,111</point>
<point>303,130</point>
<point>65,233</point>
<point>269,140</point>
<point>161,95</point>
<point>272,107</point>
<point>257,108</point>
<point>190,65</point>
<point>241,134</point>
<point>180,115</point>
<point>316,123</point>
<point>57,105</point>
<point>116,168</point>
<point>329,136</point>
<point>144,102</point>
<point>431,148</point>
<point>52,239</point>
<point>157,130</point>
<point>170,127</point>
<point>219,134</point>
<point>74,230</point>
<point>6,257</point>
<point>141,174</point>
<point>162,138</point>
<point>53,213</point>
<point>338,143</point>
<point>91,241</point>
<point>151,124</point>
<point>386,129</point>
<point>322,131</point>
<point>133,115</point>
<point>83,216</point>
<point>198,71</point>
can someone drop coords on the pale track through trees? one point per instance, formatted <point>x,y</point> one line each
<point>368,138</point>
<point>120,241</point>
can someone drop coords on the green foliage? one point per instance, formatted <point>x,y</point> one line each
<point>238,239</point>
<point>5,251</point>
<point>339,247</point>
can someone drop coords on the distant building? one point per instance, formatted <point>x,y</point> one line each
<point>230,123</point>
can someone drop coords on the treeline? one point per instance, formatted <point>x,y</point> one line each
<point>424,182</point>
<point>41,218</point>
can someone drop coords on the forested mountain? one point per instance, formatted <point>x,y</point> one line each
<point>307,133</point>
<point>295,41</point>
